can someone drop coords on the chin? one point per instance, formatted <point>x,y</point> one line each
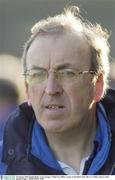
<point>54,127</point>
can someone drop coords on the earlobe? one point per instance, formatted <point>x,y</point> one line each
<point>27,94</point>
<point>99,87</point>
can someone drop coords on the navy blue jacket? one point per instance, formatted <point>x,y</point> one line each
<point>17,143</point>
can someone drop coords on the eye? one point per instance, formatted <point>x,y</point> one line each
<point>37,73</point>
<point>37,76</point>
<point>68,73</point>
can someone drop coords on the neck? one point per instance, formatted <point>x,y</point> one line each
<point>73,145</point>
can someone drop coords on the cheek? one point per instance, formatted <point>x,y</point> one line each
<point>35,95</point>
<point>76,97</point>
<point>81,96</point>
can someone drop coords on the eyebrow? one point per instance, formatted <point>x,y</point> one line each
<point>36,68</point>
<point>58,67</point>
<point>64,66</point>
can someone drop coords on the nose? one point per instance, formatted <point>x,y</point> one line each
<point>53,87</point>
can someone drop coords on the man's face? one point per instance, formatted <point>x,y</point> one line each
<point>60,106</point>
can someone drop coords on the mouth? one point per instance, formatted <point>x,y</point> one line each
<point>55,107</point>
<point>54,110</point>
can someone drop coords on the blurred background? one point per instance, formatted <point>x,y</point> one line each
<point>18,16</point>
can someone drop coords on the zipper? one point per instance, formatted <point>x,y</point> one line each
<point>112,170</point>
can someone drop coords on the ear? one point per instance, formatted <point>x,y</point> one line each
<point>99,87</point>
<point>27,93</point>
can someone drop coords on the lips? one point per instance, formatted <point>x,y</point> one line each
<point>54,111</point>
<point>54,106</point>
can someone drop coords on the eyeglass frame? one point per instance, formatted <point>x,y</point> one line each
<point>77,73</point>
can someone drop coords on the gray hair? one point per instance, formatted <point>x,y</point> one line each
<point>70,21</point>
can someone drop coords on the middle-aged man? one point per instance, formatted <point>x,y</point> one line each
<point>67,125</point>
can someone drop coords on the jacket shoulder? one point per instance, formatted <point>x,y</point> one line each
<point>3,166</point>
<point>16,130</point>
<point>109,105</point>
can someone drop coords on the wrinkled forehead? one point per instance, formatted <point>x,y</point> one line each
<point>59,48</point>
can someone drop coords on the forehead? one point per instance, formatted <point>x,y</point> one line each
<point>49,51</point>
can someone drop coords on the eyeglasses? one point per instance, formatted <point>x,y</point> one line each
<point>36,76</point>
